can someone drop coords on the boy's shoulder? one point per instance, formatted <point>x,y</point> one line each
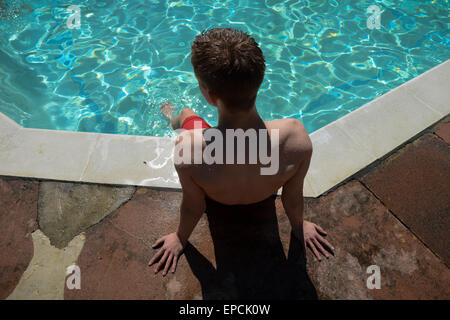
<point>292,134</point>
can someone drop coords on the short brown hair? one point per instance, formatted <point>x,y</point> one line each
<point>230,64</point>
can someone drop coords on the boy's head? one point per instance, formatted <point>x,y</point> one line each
<point>230,65</point>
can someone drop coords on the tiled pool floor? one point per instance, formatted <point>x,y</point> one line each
<point>393,214</point>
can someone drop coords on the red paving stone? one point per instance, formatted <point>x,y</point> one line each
<point>443,131</point>
<point>18,219</point>
<point>414,184</point>
<point>364,233</point>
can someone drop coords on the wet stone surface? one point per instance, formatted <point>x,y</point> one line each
<point>18,214</point>
<point>67,209</point>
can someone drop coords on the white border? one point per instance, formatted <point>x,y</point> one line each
<point>341,148</point>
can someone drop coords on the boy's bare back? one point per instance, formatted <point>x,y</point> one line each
<point>243,183</point>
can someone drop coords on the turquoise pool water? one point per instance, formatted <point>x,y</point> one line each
<point>112,74</point>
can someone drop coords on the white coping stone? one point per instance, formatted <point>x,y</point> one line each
<point>335,157</point>
<point>132,160</point>
<point>378,127</point>
<point>341,148</point>
<point>364,126</point>
<point>8,128</point>
<point>433,88</point>
<point>7,124</point>
<point>59,155</point>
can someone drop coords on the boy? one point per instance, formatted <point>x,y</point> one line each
<point>229,66</point>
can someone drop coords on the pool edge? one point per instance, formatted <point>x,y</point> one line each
<point>341,148</point>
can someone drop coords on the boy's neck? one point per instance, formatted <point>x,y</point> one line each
<point>239,120</point>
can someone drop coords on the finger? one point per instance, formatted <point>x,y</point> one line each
<point>168,263</point>
<point>321,249</point>
<point>174,264</point>
<point>314,250</point>
<point>161,262</point>
<point>158,242</point>
<point>156,257</point>
<point>325,242</point>
<point>319,228</point>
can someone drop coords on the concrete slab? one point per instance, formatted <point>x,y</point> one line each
<point>335,157</point>
<point>383,124</point>
<point>132,160</point>
<point>432,87</point>
<point>364,233</point>
<point>414,184</point>
<point>9,127</point>
<point>67,209</point>
<point>45,276</point>
<point>46,154</point>
<point>18,216</point>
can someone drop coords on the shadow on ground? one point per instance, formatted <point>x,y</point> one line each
<point>249,255</point>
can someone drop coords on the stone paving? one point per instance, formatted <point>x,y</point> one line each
<point>393,214</point>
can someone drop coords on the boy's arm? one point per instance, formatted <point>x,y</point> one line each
<point>292,195</point>
<point>192,208</point>
<point>308,233</point>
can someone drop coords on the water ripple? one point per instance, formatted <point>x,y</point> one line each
<point>128,57</point>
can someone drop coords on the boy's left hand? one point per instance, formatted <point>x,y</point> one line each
<point>169,253</point>
<point>314,239</point>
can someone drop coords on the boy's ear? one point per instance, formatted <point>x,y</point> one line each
<point>213,98</point>
<point>210,97</point>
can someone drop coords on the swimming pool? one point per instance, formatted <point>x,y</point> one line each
<point>112,74</point>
